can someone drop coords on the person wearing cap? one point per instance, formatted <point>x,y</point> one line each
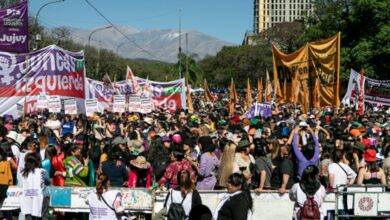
<point>140,173</point>
<point>244,159</point>
<point>371,173</point>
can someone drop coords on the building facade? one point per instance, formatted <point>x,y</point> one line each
<point>267,13</point>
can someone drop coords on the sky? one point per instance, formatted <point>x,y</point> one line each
<point>227,20</point>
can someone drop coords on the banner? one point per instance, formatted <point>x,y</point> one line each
<point>54,103</point>
<point>119,103</point>
<point>314,60</point>
<point>259,109</point>
<point>134,104</point>
<point>70,106</point>
<point>14,28</point>
<point>51,70</point>
<point>165,95</point>
<point>91,106</point>
<point>375,91</point>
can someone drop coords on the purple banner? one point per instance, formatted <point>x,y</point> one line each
<point>259,109</point>
<point>14,28</point>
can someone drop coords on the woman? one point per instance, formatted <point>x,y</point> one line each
<point>177,164</point>
<point>185,193</point>
<point>339,172</point>
<point>50,152</point>
<point>371,173</point>
<point>262,179</point>
<point>57,163</point>
<point>104,203</point>
<point>140,173</point>
<point>283,172</point>
<point>76,169</point>
<point>5,178</point>
<point>237,204</point>
<point>308,185</point>
<point>115,169</point>
<point>158,157</point>
<point>34,181</point>
<point>244,159</point>
<point>79,132</point>
<point>66,125</point>
<point>228,164</point>
<point>209,163</point>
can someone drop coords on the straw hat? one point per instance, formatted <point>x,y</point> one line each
<point>140,162</point>
<point>136,147</point>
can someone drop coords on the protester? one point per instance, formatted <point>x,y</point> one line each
<point>184,194</point>
<point>262,177</point>
<point>237,203</point>
<point>228,164</point>
<point>6,178</point>
<point>371,173</point>
<point>103,202</point>
<point>76,169</point>
<point>340,173</point>
<point>208,167</point>
<point>115,169</point>
<point>140,173</point>
<point>33,183</point>
<point>308,185</point>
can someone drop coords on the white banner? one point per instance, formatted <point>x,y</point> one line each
<point>54,104</point>
<point>70,106</point>
<point>91,106</point>
<point>119,103</point>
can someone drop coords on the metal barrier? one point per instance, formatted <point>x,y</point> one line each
<point>362,201</point>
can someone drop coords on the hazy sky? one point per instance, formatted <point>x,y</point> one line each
<point>225,19</point>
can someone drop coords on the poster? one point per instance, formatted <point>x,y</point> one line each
<point>42,102</point>
<point>119,103</point>
<point>14,28</point>
<point>146,105</point>
<point>70,106</point>
<point>54,104</point>
<point>91,106</point>
<point>134,104</point>
<point>366,204</point>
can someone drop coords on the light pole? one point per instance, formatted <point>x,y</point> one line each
<point>179,43</point>
<point>96,30</point>
<point>38,36</point>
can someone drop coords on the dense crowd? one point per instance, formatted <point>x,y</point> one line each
<point>310,153</point>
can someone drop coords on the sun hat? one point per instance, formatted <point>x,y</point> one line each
<point>136,147</point>
<point>12,135</point>
<point>140,162</point>
<point>119,140</point>
<point>370,155</point>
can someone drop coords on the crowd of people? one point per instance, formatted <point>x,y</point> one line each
<point>305,153</point>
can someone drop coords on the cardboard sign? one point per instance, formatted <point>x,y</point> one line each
<point>54,104</point>
<point>119,103</point>
<point>42,102</point>
<point>146,105</point>
<point>70,106</point>
<point>134,104</point>
<point>91,106</point>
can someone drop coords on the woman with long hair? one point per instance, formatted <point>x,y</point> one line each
<point>115,169</point>
<point>371,173</point>
<point>308,185</point>
<point>5,177</point>
<point>237,203</point>
<point>104,203</point>
<point>33,182</point>
<point>76,169</point>
<point>208,166</point>
<point>185,193</point>
<point>228,164</point>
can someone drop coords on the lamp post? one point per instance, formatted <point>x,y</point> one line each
<point>38,36</point>
<point>96,30</point>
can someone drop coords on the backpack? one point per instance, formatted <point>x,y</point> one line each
<point>176,210</point>
<point>310,209</point>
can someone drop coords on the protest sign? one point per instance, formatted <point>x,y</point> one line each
<point>54,104</point>
<point>91,106</point>
<point>134,104</point>
<point>70,106</point>
<point>119,103</point>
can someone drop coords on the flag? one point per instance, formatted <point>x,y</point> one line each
<point>259,97</point>
<point>361,93</point>
<point>305,102</point>
<point>248,95</point>
<point>268,88</point>
<point>233,97</point>
<point>317,94</point>
<point>147,90</point>
<point>131,80</point>
<point>295,89</point>
<point>207,93</point>
<point>189,98</point>
<point>285,90</point>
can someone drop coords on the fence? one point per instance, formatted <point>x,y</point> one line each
<point>267,205</point>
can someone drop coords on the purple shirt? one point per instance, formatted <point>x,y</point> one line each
<point>207,166</point>
<point>302,161</point>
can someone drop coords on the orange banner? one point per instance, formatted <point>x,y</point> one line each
<point>207,93</point>
<point>314,60</point>
<point>259,97</point>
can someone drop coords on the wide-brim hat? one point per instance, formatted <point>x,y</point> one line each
<point>12,135</point>
<point>140,162</point>
<point>136,147</point>
<point>370,155</point>
<point>119,140</point>
<point>360,146</point>
<point>244,143</point>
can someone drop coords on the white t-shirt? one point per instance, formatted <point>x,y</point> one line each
<point>296,194</point>
<point>98,210</point>
<point>177,198</point>
<point>340,177</point>
<point>15,151</point>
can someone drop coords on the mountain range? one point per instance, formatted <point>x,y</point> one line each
<point>152,44</point>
